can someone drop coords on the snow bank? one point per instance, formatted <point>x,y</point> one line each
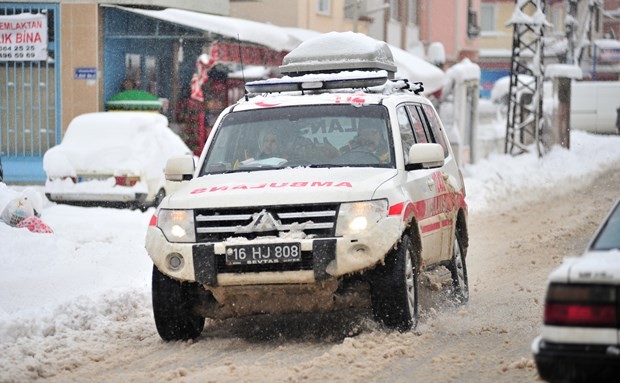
<point>509,180</point>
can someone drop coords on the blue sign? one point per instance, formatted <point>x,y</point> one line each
<point>488,78</point>
<point>85,73</point>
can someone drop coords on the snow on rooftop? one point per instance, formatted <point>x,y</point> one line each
<point>519,17</point>
<point>465,70</point>
<point>245,30</point>
<point>563,70</point>
<point>607,44</point>
<point>415,68</point>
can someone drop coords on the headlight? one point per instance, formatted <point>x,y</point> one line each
<point>177,225</point>
<point>356,217</point>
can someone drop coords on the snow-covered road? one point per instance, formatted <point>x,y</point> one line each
<point>75,305</point>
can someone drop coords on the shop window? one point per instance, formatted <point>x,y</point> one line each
<point>323,7</point>
<point>133,72</point>
<point>151,74</point>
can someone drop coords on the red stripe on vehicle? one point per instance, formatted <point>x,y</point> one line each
<point>430,207</point>
<point>396,209</point>
<point>409,212</point>
<point>431,227</point>
<point>153,221</point>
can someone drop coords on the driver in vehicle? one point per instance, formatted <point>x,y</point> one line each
<point>269,145</point>
<point>369,139</point>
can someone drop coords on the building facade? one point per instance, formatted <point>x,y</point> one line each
<point>90,50</point>
<point>598,60</point>
<point>412,25</point>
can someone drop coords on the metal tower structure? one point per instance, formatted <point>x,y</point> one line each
<point>525,122</point>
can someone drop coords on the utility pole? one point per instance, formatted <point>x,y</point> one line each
<point>570,29</point>
<point>562,84</point>
<point>525,122</point>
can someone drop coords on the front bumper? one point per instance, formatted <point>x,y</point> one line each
<point>559,362</point>
<point>323,258</point>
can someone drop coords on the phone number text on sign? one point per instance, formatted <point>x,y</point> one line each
<point>18,52</point>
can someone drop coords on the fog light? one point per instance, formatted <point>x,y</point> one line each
<point>175,261</point>
<point>360,250</point>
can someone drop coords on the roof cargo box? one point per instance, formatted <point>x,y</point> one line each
<point>336,52</point>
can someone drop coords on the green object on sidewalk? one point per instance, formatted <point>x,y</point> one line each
<point>133,100</point>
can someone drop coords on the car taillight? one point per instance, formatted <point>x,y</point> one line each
<point>126,180</point>
<point>581,305</point>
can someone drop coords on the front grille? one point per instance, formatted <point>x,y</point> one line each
<point>216,225</point>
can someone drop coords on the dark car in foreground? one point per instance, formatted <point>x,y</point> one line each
<point>580,337</point>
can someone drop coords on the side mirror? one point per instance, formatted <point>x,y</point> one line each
<point>180,168</point>
<point>425,156</point>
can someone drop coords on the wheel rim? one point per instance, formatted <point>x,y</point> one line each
<point>410,278</point>
<point>460,269</point>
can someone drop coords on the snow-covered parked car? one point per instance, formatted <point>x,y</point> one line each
<point>112,159</point>
<point>580,337</point>
<point>328,189</point>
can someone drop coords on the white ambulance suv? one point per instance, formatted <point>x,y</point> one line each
<point>330,188</point>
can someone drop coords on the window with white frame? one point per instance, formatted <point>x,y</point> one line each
<point>412,11</point>
<point>555,17</point>
<point>394,10</point>
<point>323,7</point>
<point>349,9</point>
<point>488,18</point>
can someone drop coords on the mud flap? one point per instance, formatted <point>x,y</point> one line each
<point>205,271</point>
<point>323,252</point>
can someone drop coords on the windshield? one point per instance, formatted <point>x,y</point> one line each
<point>312,135</point>
<point>609,236</point>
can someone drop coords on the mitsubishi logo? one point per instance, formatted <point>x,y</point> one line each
<point>261,222</point>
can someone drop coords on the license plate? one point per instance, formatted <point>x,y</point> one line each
<point>262,254</point>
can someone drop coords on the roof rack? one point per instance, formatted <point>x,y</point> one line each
<point>371,81</point>
<point>342,80</point>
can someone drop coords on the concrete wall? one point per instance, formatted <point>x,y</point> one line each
<point>501,38</point>
<point>445,21</point>
<point>283,13</point>
<point>80,48</point>
<point>296,13</point>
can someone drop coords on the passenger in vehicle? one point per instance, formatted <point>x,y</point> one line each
<point>369,139</point>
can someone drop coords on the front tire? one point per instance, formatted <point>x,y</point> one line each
<point>394,288</point>
<point>458,271</point>
<point>173,302</point>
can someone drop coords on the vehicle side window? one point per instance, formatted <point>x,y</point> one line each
<point>406,130</point>
<point>418,129</point>
<point>434,127</point>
